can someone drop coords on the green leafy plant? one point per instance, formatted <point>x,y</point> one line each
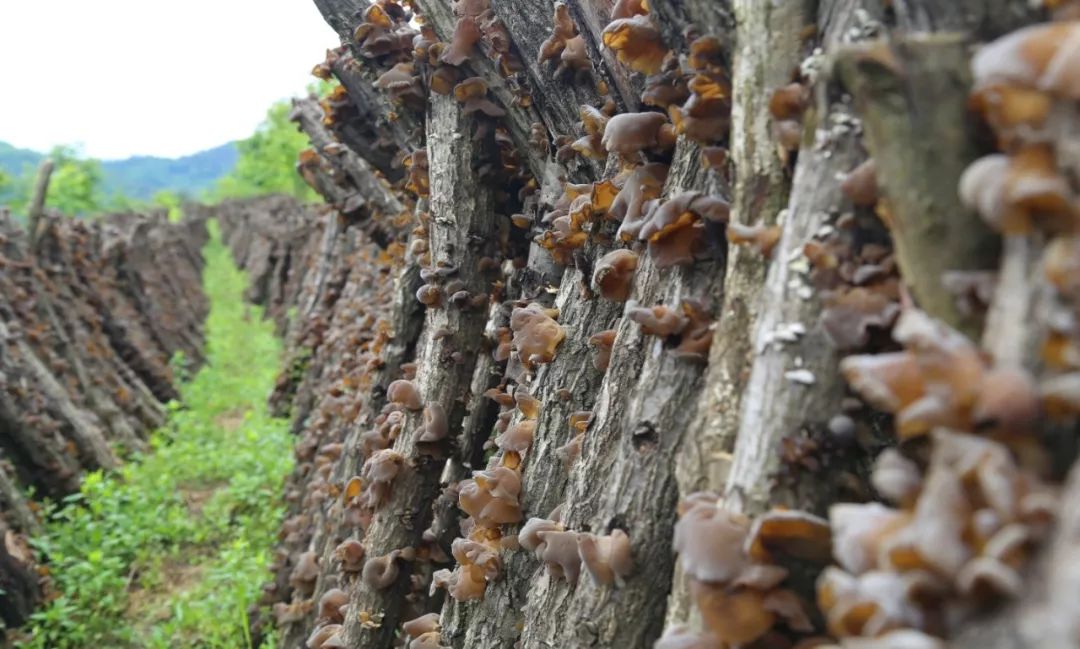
<point>267,162</point>
<point>170,550</point>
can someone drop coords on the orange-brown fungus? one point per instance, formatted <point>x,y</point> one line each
<point>789,533</point>
<point>491,497</point>
<point>629,9</point>
<point>351,555</point>
<point>304,574</point>
<point>964,531</point>
<point>443,79</point>
<point>860,186</point>
<point>938,381</point>
<point>466,35</point>
<point>1016,74</point>
<point>658,320</point>
<point>559,552</point>
<point>528,537</point>
<point>332,605</point>
<point>401,83</point>
<point>527,404</point>
<point>518,437</point>
<point>613,276</point>
<point>567,219</point>
<point>667,87</point>
<point>378,472</point>
<point>696,337</point>
<point>436,427</point>
<point>536,334</point>
<point>405,394</point>
<point>641,185</point>
<point>739,595</point>
<point>500,397</point>
<point>591,144</point>
<point>603,341</point>
<point>630,133</point>
<point>789,102</point>
<point>473,93</point>
<point>325,637</point>
<point>762,237</point>
<point>675,228</point>
<point>471,88</point>
<point>381,572</point>
<point>606,558</point>
<point>417,627</point>
<point>636,42</point>
<point>418,181</point>
<point>478,563</point>
<point>562,31</point>
<point>705,116</point>
<point>429,295</point>
<point>1013,193</point>
<point>851,315</point>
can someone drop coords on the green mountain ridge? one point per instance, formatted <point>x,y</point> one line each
<point>140,177</point>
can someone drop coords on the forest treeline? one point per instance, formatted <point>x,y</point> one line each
<point>79,187</point>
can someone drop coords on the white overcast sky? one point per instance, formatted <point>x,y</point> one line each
<point>150,77</point>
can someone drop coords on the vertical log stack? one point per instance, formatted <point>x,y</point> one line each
<point>91,316</point>
<point>639,323</point>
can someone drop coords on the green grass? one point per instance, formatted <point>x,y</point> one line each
<point>170,550</point>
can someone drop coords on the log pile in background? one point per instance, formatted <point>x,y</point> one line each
<point>607,282</point>
<point>91,315</point>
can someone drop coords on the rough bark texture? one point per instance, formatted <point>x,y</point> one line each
<point>765,421</point>
<point>921,87</point>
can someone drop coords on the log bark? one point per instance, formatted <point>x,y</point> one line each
<point>663,426</point>
<point>904,91</point>
<point>37,199</point>
<point>759,193</point>
<point>461,222</point>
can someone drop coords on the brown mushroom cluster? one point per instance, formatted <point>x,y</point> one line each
<point>787,105</point>
<point>676,229</point>
<point>404,410</point>
<point>689,326</point>
<point>565,47</point>
<point>942,379</point>
<point>564,553</point>
<point>851,265</point>
<point>634,38</point>
<point>537,335</point>
<point>1026,91</point>
<point>965,527</point>
<point>737,574</point>
<point>705,116</point>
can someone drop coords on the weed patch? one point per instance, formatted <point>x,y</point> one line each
<point>171,549</point>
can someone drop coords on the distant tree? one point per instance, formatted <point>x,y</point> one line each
<point>267,162</point>
<point>76,184</point>
<point>15,191</point>
<point>119,202</point>
<point>171,201</point>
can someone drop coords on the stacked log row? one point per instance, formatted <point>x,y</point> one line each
<point>92,315</point>
<point>676,323</point>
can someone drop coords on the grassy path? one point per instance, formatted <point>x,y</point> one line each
<point>171,550</point>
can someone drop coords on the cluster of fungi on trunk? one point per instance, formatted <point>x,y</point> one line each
<point>614,288</point>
